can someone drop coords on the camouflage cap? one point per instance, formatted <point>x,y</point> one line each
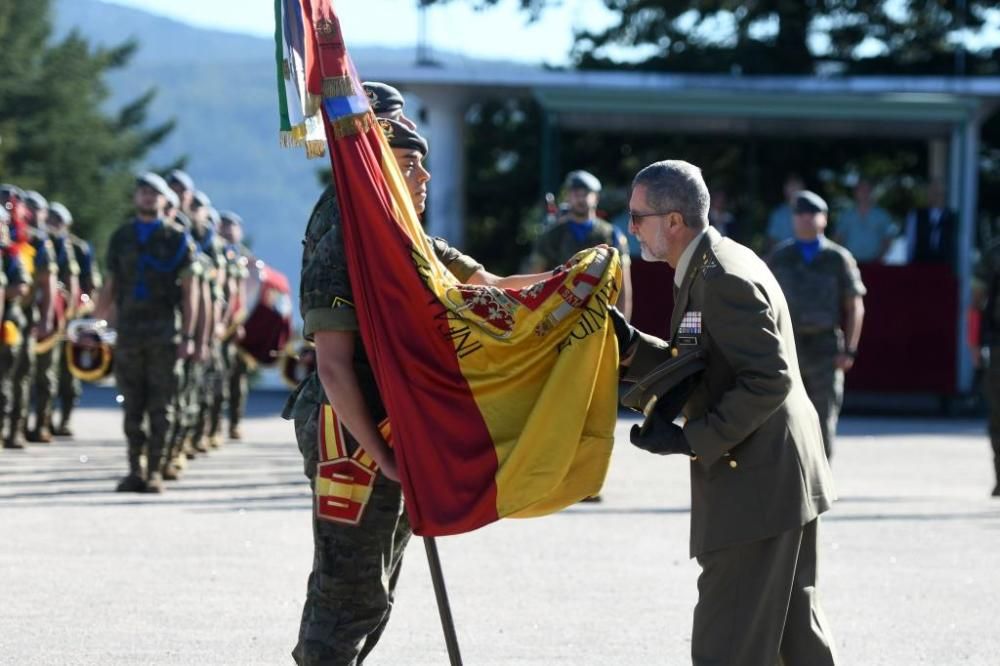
<point>809,202</point>
<point>178,176</point>
<point>35,200</point>
<point>583,180</point>
<point>385,100</point>
<point>400,136</point>
<point>60,211</point>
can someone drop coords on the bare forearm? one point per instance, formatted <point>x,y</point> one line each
<point>488,279</point>
<point>340,384</point>
<point>854,319</point>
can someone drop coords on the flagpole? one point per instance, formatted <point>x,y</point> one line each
<point>441,594</point>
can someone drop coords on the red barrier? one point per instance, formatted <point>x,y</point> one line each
<point>909,338</point>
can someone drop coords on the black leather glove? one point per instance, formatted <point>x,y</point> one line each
<point>660,436</point>
<point>624,331</point>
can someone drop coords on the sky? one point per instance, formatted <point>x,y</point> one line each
<point>454,27</point>
<point>500,32</point>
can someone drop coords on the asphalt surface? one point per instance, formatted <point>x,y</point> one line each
<point>214,570</point>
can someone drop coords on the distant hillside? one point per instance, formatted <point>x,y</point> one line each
<point>221,89</point>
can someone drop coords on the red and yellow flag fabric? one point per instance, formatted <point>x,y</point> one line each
<point>502,402</point>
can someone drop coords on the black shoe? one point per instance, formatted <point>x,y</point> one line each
<point>593,499</point>
<point>133,483</point>
<point>996,490</point>
<point>62,431</point>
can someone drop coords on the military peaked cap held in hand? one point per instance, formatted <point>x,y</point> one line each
<point>670,384</point>
<point>231,217</point>
<point>178,176</point>
<point>400,136</point>
<point>385,100</point>
<point>809,202</point>
<point>201,198</point>
<point>584,180</point>
<point>60,211</point>
<point>35,200</point>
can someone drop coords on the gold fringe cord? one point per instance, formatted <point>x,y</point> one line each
<point>338,86</point>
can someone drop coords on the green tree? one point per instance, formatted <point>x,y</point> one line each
<point>56,135</point>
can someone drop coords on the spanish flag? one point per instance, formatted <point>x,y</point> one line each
<point>502,402</point>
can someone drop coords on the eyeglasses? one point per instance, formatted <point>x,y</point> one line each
<point>632,217</point>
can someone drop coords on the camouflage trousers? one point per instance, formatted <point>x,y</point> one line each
<point>824,382</point>
<point>8,361</point>
<point>147,376</point>
<point>237,372</point>
<point>205,392</point>
<point>351,588</point>
<point>44,384</point>
<point>24,370</point>
<point>219,387</point>
<point>70,389</point>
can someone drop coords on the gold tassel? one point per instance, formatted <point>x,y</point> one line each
<point>286,140</point>
<point>339,86</point>
<point>351,125</point>
<point>315,149</point>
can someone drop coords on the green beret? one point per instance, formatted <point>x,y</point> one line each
<point>400,136</point>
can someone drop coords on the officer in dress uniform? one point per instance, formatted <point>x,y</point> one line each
<point>580,229</point>
<point>823,287</point>
<point>38,259</point>
<point>48,351</point>
<point>150,266</point>
<point>69,389</point>
<point>759,478</point>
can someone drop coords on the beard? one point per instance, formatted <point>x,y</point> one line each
<point>147,211</point>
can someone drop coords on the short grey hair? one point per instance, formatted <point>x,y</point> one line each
<point>675,185</point>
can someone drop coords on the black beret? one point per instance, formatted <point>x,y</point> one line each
<point>809,202</point>
<point>400,136</point>
<point>385,100</point>
<point>582,180</point>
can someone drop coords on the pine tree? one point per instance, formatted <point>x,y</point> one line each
<point>56,135</point>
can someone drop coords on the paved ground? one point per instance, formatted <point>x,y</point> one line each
<point>213,572</point>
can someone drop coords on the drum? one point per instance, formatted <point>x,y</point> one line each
<point>268,326</point>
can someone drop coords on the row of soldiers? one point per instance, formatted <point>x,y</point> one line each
<point>49,277</point>
<point>176,287</point>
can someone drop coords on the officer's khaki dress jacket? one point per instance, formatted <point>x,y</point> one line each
<point>760,467</point>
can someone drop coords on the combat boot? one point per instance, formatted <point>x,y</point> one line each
<point>234,432</point>
<point>16,442</point>
<point>154,484</point>
<point>63,429</point>
<point>40,435</point>
<point>199,445</point>
<point>214,442</point>
<point>133,483</point>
